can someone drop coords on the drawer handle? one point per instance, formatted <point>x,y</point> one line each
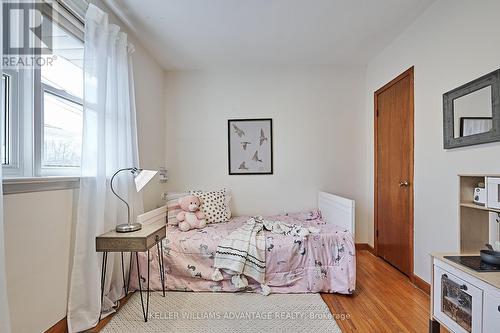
<point>462,287</point>
<point>499,308</point>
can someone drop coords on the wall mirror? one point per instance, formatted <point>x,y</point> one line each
<point>472,112</point>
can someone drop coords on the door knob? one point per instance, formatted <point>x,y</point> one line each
<point>404,183</point>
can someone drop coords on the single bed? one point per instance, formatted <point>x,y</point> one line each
<point>322,262</point>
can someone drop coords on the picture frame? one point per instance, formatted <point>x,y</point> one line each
<point>475,125</point>
<point>250,146</point>
<point>450,141</point>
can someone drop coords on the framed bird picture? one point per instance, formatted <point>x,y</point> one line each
<point>250,146</point>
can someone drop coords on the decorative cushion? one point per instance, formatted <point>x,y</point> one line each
<point>173,207</point>
<point>215,205</point>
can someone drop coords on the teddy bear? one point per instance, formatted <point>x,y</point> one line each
<point>190,217</point>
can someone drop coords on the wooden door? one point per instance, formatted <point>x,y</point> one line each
<point>394,172</point>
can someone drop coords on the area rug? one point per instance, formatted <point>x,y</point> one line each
<point>224,312</point>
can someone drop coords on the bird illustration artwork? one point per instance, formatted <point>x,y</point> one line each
<point>238,131</point>
<point>256,157</point>
<point>244,144</point>
<point>262,137</point>
<point>242,166</point>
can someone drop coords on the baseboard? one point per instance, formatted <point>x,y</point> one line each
<point>60,327</point>
<point>421,284</point>
<point>365,247</point>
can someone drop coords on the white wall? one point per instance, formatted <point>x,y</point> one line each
<point>37,237</point>
<point>452,43</point>
<point>319,135</point>
<point>38,225</point>
<point>149,93</point>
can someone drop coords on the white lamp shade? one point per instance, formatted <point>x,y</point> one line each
<point>143,178</point>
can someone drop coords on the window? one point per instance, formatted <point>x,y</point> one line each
<point>5,112</point>
<point>61,90</point>
<point>42,113</point>
<point>62,131</point>
<point>8,120</point>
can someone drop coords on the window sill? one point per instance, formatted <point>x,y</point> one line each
<point>39,184</point>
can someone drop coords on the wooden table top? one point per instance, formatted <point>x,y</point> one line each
<point>135,241</point>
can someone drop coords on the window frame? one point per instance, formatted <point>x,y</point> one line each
<point>26,118</point>
<point>66,21</point>
<point>5,116</point>
<point>42,170</point>
<point>12,97</point>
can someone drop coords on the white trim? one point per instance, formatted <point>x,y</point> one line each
<point>12,169</point>
<point>21,158</point>
<point>39,184</point>
<point>76,8</point>
<point>38,122</point>
<point>337,210</point>
<point>69,14</point>
<point>40,169</point>
<point>153,216</point>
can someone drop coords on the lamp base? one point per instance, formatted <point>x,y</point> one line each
<point>128,227</point>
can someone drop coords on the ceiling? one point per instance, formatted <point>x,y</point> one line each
<point>198,34</point>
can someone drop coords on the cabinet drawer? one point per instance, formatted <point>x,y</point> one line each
<point>456,302</point>
<point>491,313</point>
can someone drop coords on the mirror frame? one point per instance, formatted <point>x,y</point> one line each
<point>492,79</point>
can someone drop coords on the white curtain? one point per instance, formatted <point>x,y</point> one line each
<point>4,305</point>
<point>109,143</point>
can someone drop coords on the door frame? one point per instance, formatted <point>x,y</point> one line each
<point>408,73</point>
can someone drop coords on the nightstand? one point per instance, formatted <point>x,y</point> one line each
<point>138,241</point>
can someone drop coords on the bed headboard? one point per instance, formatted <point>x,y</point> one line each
<point>337,210</point>
<point>153,215</point>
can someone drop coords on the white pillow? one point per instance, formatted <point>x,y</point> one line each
<point>215,205</point>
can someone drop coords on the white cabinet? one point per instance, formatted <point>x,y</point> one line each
<point>458,304</point>
<point>493,187</point>
<point>464,300</point>
<point>491,313</point>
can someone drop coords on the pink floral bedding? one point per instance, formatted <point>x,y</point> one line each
<point>323,262</point>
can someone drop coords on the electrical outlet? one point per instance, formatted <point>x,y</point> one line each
<point>163,174</point>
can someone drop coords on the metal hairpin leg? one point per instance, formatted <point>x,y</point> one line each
<point>125,284</point>
<point>103,278</point>
<point>144,311</point>
<point>129,270</point>
<point>160,264</point>
<point>147,302</point>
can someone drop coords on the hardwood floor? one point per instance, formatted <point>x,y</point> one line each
<point>384,300</point>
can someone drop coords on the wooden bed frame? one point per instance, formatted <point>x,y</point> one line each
<point>334,209</point>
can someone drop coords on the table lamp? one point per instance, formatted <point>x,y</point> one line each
<point>141,178</point>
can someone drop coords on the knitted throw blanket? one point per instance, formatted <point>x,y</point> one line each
<point>242,253</point>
